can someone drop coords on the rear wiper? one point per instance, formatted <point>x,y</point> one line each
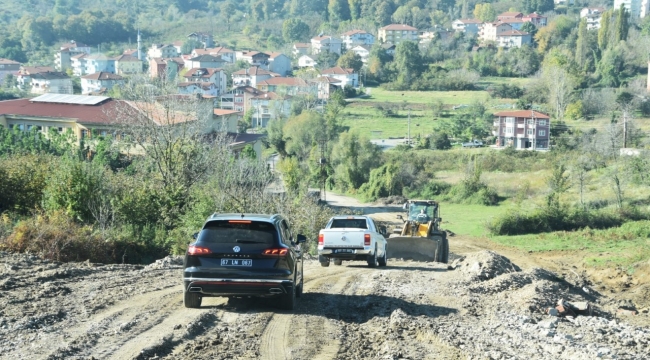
<point>249,241</point>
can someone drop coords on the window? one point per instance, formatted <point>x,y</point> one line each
<point>60,129</point>
<point>84,134</point>
<point>509,130</point>
<point>541,133</point>
<point>510,120</point>
<point>530,121</point>
<point>529,132</point>
<point>21,127</point>
<point>238,99</point>
<point>542,122</point>
<point>349,224</point>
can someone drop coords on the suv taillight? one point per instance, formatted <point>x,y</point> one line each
<point>275,252</point>
<point>198,250</point>
<point>366,239</point>
<point>321,239</point>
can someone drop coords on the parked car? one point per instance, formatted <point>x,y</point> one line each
<point>352,238</point>
<point>244,255</point>
<point>473,143</point>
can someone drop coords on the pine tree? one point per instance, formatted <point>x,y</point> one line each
<point>622,25</point>
<point>582,47</point>
<point>603,32</point>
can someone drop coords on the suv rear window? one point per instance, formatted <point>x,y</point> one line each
<point>349,223</point>
<point>224,231</point>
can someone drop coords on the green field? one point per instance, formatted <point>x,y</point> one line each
<point>468,219</point>
<point>425,97</point>
<point>370,122</point>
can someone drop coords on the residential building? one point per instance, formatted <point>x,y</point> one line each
<point>346,76</point>
<point>536,19</point>
<point>127,64</point>
<point>353,38</point>
<point>203,88</point>
<point>100,82</point>
<point>389,48</point>
<point>24,76</point>
<point>205,61</point>
<point>301,49</point>
<point>593,16</point>
<point>489,31</point>
<point>513,38</point>
<point>279,63</point>
<point>134,53</point>
<point>268,105</point>
<point>204,38</point>
<point>468,26</point>
<point>8,67</point>
<point>425,36</point>
<point>363,51</point>
<point>51,82</point>
<point>79,64</point>
<point>208,76</point>
<point>307,61</point>
<point>165,67</point>
<point>563,2</point>
<point>162,51</point>
<point>516,24</point>
<point>63,57</point>
<point>326,86</point>
<point>227,120</point>
<point>226,54</point>
<point>637,8</point>
<point>255,58</point>
<point>238,98</point>
<point>178,45</point>
<point>288,85</point>
<point>99,63</point>
<point>522,129</point>
<point>396,33</point>
<point>510,15</point>
<point>326,43</point>
<point>251,76</point>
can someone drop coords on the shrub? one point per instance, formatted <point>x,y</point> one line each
<point>506,91</point>
<point>430,190</point>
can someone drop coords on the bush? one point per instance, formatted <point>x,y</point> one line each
<point>430,190</point>
<point>505,91</point>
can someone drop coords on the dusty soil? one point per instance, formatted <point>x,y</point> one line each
<point>489,306</point>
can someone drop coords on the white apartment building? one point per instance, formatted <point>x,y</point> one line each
<point>637,8</point>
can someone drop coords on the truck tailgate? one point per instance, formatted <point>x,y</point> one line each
<point>343,238</point>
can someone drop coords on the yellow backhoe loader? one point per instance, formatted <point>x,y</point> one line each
<point>420,237</point>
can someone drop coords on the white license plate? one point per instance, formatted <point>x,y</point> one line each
<point>236,262</point>
<point>343,251</point>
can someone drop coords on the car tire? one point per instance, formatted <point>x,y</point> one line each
<point>288,300</point>
<point>384,259</point>
<point>338,262</point>
<point>192,300</point>
<point>325,264</point>
<point>300,288</point>
<point>372,259</point>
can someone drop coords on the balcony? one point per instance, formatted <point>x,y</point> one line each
<point>521,126</point>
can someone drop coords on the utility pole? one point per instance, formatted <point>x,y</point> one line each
<point>409,128</point>
<point>625,128</point>
<point>322,144</point>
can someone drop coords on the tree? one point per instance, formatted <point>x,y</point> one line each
<point>227,11</point>
<point>603,32</point>
<point>626,104</point>
<point>338,10</point>
<point>326,59</point>
<point>355,9</point>
<point>560,84</point>
<point>294,30</point>
<point>350,60</point>
<point>408,61</point>
<point>190,45</point>
<point>485,12</point>
<point>622,26</point>
<point>353,158</point>
<point>402,15</point>
<point>582,45</point>
<point>257,11</point>
<point>530,28</point>
<point>383,13</point>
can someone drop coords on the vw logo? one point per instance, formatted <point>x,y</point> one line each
<point>236,249</point>
<point>343,238</point>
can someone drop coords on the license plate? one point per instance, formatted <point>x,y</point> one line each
<point>236,262</point>
<point>343,251</point>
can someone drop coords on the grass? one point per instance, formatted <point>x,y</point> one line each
<point>620,246</point>
<point>425,97</point>
<point>368,121</point>
<point>468,219</point>
<point>486,81</point>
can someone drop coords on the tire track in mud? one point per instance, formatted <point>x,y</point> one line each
<point>304,335</point>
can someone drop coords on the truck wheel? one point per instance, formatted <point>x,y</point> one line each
<point>288,300</point>
<point>338,262</point>
<point>324,262</point>
<point>384,259</point>
<point>192,300</point>
<point>372,259</point>
<point>442,250</point>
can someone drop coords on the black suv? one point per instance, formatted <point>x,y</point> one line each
<point>238,255</point>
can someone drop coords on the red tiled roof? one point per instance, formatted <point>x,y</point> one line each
<point>222,112</point>
<point>523,114</point>
<point>254,71</point>
<point>320,38</point>
<point>535,15</point>
<point>201,72</point>
<point>510,14</point>
<point>4,61</point>
<point>31,70</point>
<point>273,55</point>
<point>102,76</point>
<point>398,27</point>
<point>353,32</point>
<point>83,113</point>
<point>470,21</point>
<point>327,79</point>
<point>337,70</point>
<point>126,58</point>
<point>302,45</point>
<point>513,33</point>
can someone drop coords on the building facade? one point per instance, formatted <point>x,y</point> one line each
<point>396,33</point>
<point>99,82</point>
<point>326,43</point>
<point>522,129</point>
<point>353,38</point>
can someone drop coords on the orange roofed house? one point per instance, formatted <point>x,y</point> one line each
<point>522,129</point>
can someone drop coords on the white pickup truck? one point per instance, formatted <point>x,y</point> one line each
<point>352,238</point>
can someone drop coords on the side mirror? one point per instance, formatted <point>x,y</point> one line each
<point>405,206</point>
<point>301,238</point>
<point>195,236</point>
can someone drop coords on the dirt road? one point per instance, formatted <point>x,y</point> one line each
<point>487,307</point>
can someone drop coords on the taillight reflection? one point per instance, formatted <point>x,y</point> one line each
<point>198,250</point>
<point>275,252</point>
<point>366,239</point>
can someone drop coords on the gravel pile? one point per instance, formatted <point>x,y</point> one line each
<point>485,265</point>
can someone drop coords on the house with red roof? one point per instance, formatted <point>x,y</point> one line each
<point>468,26</point>
<point>356,37</point>
<point>345,76</point>
<point>251,76</point>
<point>100,82</point>
<point>536,19</point>
<point>513,38</point>
<point>279,63</point>
<point>396,33</point>
<point>522,129</point>
<point>215,76</point>
<point>326,43</point>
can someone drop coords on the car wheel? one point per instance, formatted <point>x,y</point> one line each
<point>300,287</point>
<point>288,300</point>
<point>325,264</point>
<point>192,300</point>
<point>442,250</point>
<point>372,259</point>
<point>384,259</point>
<point>338,262</point>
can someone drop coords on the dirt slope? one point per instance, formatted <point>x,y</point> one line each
<point>487,307</point>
